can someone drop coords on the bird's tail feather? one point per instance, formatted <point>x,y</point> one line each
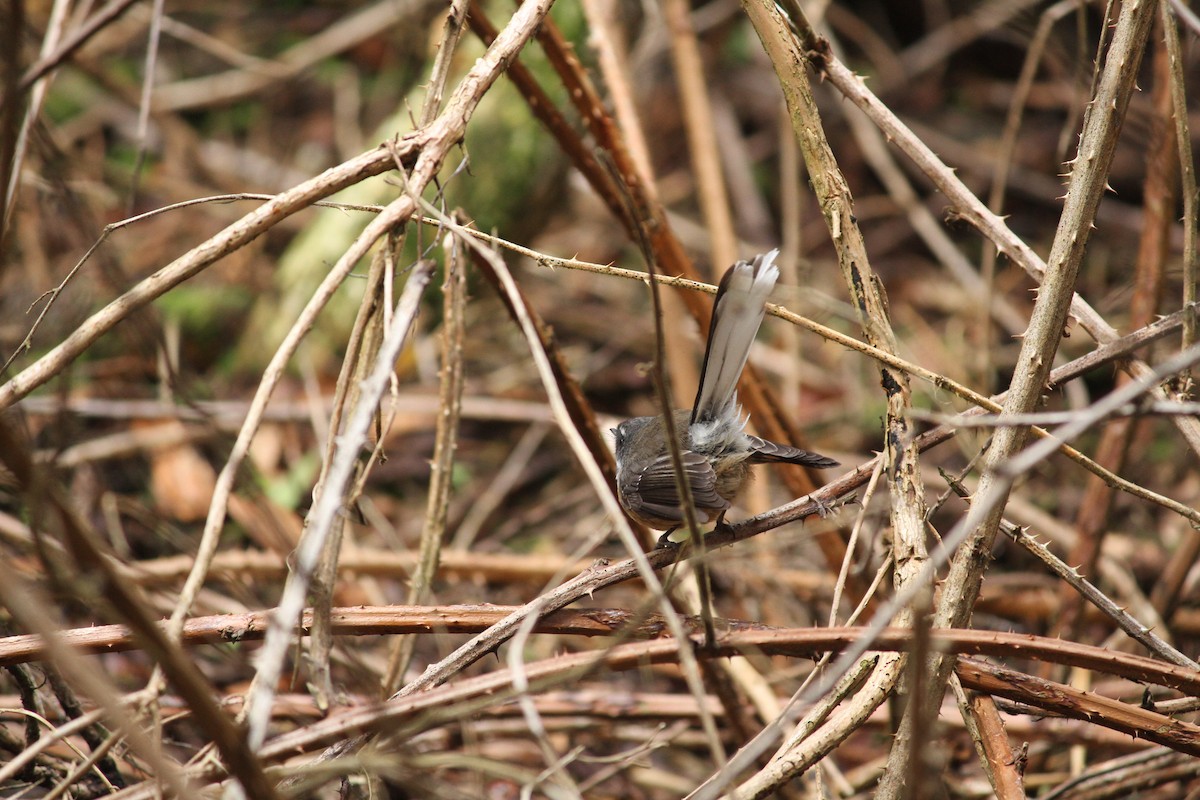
<point>737,314</point>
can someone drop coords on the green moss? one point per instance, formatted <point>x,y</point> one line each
<point>295,486</point>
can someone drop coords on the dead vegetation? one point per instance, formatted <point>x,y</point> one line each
<point>318,321</point>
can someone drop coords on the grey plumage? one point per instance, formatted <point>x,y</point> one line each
<point>716,450</point>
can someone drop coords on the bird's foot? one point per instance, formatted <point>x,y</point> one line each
<point>665,542</point>
<point>722,526</point>
<point>823,509</point>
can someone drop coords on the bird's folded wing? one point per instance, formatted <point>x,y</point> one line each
<point>652,492</point>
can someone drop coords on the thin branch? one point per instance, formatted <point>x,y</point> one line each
<point>110,13</point>
<point>327,507</point>
<point>964,202</point>
<point>1087,183</point>
<point>701,134</point>
<point>1187,168</point>
<point>433,531</point>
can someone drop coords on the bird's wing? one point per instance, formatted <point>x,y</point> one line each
<point>652,492</point>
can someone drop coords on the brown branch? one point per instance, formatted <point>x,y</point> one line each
<point>1096,147</point>
<point>701,134</point>
<point>733,636</point>
<point>1070,702</point>
<point>437,511</point>
<point>411,714</point>
<point>542,107</point>
<point>991,740</point>
<point>1160,196</point>
<point>901,461</point>
<point>77,39</point>
<point>125,602</point>
<point>422,711</point>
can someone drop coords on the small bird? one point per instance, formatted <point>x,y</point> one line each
<point>717,452</point>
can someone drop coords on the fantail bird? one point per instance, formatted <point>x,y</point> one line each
<point>717,452</point>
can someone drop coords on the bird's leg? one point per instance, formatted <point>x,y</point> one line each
<point>665,541</point>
